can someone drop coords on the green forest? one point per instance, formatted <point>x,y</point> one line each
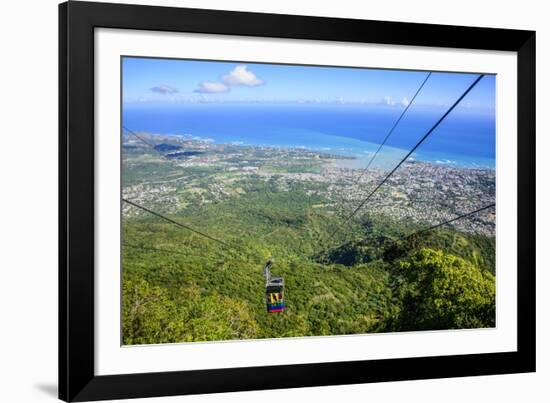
<point>180,287</point>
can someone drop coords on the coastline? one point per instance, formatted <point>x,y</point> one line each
<point>356,153</point>
<point>418,192</point>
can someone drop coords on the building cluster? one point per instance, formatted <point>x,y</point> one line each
<point>419,192</point>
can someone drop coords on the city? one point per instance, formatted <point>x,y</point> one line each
<point>418,191</point>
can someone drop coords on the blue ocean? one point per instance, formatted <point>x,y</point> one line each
<point>466,138</point>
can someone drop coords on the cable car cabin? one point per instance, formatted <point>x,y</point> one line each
<point>275,296</point>
<point>274,290</point>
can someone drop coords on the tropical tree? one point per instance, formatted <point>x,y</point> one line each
<point>443,291</point>
<point>151,316</point>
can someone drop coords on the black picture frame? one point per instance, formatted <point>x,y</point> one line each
<point>77,379</point>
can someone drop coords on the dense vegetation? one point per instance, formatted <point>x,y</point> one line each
<point>178,286</point>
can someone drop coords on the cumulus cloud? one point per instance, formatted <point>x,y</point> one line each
<point>405,102</point>
<point>165,89</point>
<point>240,75</point>
<point>211,87</point>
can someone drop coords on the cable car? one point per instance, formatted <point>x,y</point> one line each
<point>274,290</point>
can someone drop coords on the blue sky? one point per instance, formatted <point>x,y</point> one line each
<point>162,81</point>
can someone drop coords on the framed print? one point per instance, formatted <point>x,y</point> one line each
<point>258,201</point>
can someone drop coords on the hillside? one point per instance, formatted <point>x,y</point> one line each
<point>181,287</point>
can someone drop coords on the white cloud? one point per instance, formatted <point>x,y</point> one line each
<point>388,100</point>
<point>165,89</point>
<point>240,75</point>
<point>211,87</point>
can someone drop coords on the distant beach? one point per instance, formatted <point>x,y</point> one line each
<point>466,141</point>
